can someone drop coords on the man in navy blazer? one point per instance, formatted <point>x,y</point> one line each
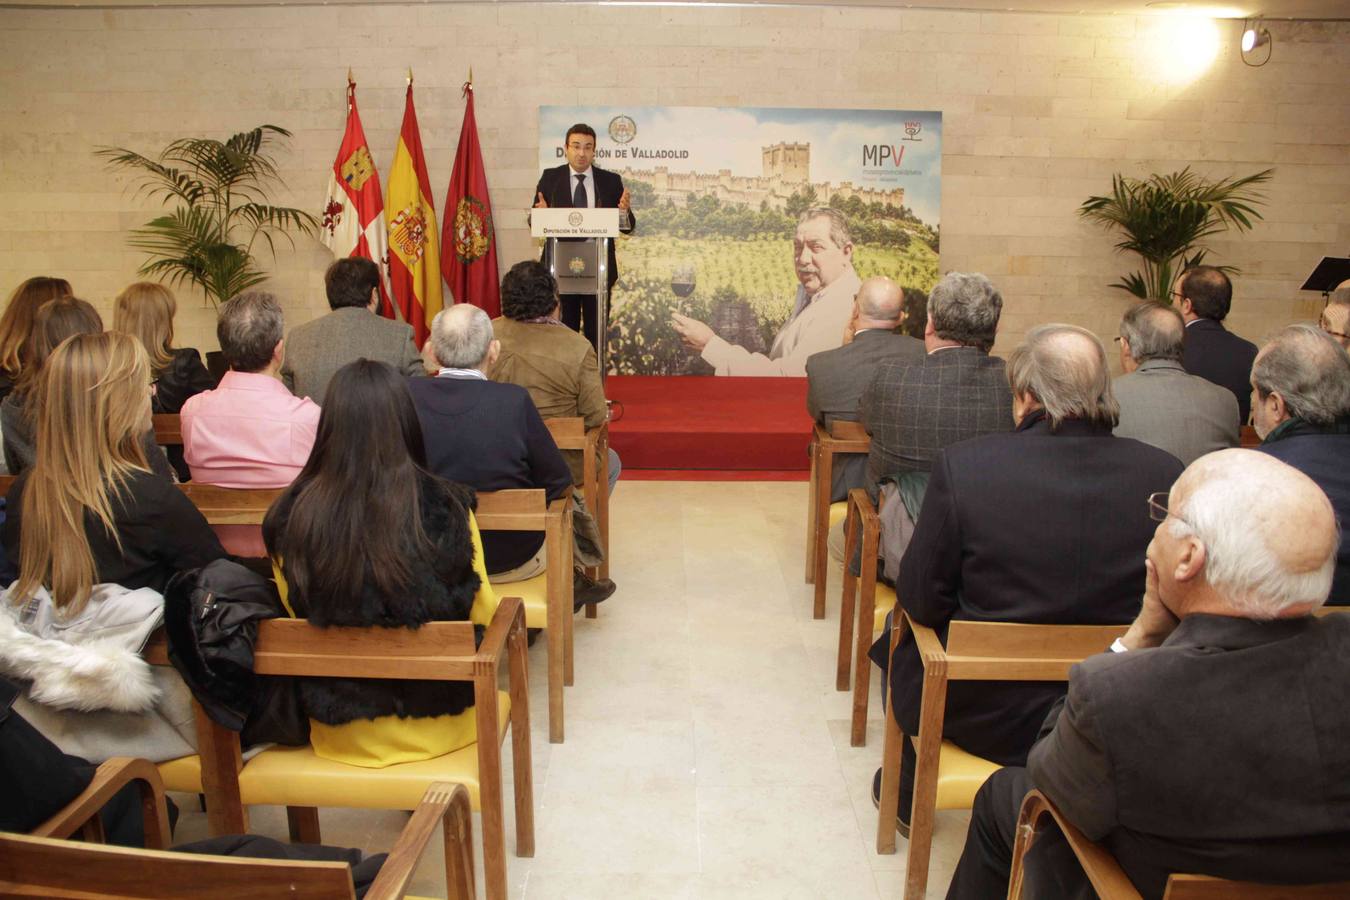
<point>580,184</point>
<point>1212,351</point>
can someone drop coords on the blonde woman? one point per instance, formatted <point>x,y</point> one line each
<point>96,536</point>
<point>17,322</point>
<point>145,310</point>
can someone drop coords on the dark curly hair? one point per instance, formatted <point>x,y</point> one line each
<point>528,291</point>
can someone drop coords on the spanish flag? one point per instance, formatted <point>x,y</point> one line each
<point>414,264</point>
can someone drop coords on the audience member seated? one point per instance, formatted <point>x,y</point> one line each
<point>551,361</point>
<point>1335,319</point>
<point>1212,351</point>
<point>490,437</point>
<point>145,310</point>
<point>1213,740</point>
<point>367,536</point>
<point>1160,404</point>
<point>835,379</point>
<point>317,349</point>
<point>54,321</point>
<point>1041,525</point>
<point>17,322</point>
<point>1301,410</point>
<point>250,432</point>
<point>957,391</point>
<point>96,536</point>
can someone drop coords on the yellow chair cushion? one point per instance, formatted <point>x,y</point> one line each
<point>837,512</point>
<point>296,776</point>
<point>885,599</point>
<point>533,592</point>
<point>960,775</point>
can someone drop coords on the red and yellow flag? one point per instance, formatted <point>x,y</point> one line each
<point>414,263</point>
<point>469,245</point>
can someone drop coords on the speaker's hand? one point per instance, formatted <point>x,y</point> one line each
<point>540,202</point>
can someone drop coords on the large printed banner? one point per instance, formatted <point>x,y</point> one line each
<point>717,194</point>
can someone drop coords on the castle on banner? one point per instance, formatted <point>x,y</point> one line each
<point>786,171</point>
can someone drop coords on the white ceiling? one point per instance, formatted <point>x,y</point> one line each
<point>1229,9</point>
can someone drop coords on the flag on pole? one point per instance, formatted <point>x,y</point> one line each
<point>469,245</point>
<point>353,212</point>
<point>414,267</point>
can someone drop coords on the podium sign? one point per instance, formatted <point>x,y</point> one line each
<point>574,223</point>
<point>576,252</point>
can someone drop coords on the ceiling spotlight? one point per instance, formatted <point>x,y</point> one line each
<point>1254,37</point>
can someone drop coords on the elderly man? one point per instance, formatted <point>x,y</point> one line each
<point>1159,403</point>
<point>1041,525</point>
<point>317,349</point>
<point>489,436</point>
<point>1214,739</point>
<point>822,253</point>
<point>1212,351</point>
<point>555,364</point>
<point>835,379</point>
<point>1335,319</point>
<point>250,432</point>
<point>957,391</point>
<point>1301,409</point>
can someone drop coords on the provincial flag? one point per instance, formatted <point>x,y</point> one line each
<point>414,266</point>
<point>469,244</point>
<point>353,212</point>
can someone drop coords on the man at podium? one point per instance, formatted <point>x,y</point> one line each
<point>581,184</point>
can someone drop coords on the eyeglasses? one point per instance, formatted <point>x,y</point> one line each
<point>1158,511</point>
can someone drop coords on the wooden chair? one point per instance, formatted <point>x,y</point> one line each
<point>296,778</point>
<point>547,597</point>
<point>945,776</point>
<point>231,506</point>
<point>593,444</point>
<point>872,602</point>
<point>842,437</point>
<point>44,865</point>
<point>168,430</point>
<point>1248,438</point>
<point>1110,881</point>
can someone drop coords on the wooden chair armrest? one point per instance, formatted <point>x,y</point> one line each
<point>1101,868</point>
<point>510,615</point>
<point>560,507</point>
<point>867,510</point>
<point>446,805</point>
<point>110,778</point>
<point>926,639</point>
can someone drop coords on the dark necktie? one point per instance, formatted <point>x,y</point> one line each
<point>579,194</point>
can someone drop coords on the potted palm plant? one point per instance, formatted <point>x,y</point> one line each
<point>222,209</point>
<point>1165,217</point>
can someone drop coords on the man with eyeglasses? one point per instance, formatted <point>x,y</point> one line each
<point>1335,319</point>
<point>1215,738</point>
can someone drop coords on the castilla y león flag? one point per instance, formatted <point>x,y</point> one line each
<point>414,267</point>
<point>468,244</point>
<point>353,212</point>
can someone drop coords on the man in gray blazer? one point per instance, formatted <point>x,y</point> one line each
<point>317,349</point>
<point>1186,415</point>
<point>1214,737</point>
<point>835,379</point>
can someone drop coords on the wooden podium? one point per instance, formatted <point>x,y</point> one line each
<point>576,252</point>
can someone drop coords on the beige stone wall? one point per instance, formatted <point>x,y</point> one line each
<point>1039,111</point>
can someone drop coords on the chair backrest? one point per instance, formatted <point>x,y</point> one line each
<point>437,651</point>
<point>231,506</point>
<point>168,429</point>
<point>1202,887</point>
<point>568,433</point>
<point>516,510</point>
<point>45,867</point>
<point>848,431</point>
<point>1248,438</point>
<point>1006,651</point>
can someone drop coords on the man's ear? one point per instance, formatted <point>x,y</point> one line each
<point>1186,307</point>
<point>494,351</point>
<point>279,351</point>
<point>1191,561</point>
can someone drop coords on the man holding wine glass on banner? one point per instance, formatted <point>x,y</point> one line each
<point>822,255</point>
<point>579,184</point>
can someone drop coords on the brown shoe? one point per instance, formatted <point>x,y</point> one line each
<point>586,589</point>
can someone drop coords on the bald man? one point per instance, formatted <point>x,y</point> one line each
<point>1215,737</point>
<point>836,378</point>
<point>1160,404</point>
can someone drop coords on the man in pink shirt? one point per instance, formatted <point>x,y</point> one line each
<point>250,432</point>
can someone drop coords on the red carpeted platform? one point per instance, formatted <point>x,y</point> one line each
<point>716,428</point>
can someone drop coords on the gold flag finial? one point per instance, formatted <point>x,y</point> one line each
<point>350,79</point>
<point>409,76</point>
<point>470,76</point>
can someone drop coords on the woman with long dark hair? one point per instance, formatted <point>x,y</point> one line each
<point>367,536</point>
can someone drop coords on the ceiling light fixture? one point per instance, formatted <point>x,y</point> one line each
<point>1254,37</point>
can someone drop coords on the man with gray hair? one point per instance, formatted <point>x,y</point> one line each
<point>1208,740</point>
<point>1044,524</point>
<point>835,379</point>
<point>489,436</point>
<point>1160,404</point>
<point>822,254</point>
<point>914,408</point>
<point>1301,410</point>
<point>250,432</point>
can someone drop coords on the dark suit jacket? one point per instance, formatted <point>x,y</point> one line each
<point>1215,353</point>
<point>556,186</point>
<point>1034,526</point>
<point>835,381</point>
<point>490,437</point>
<point>913,410</point>
<point>1223,752</point>
<point>1323,454</point>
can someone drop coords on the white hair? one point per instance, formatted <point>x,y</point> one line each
<point>1239,562</point>
<point>460,336</point>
